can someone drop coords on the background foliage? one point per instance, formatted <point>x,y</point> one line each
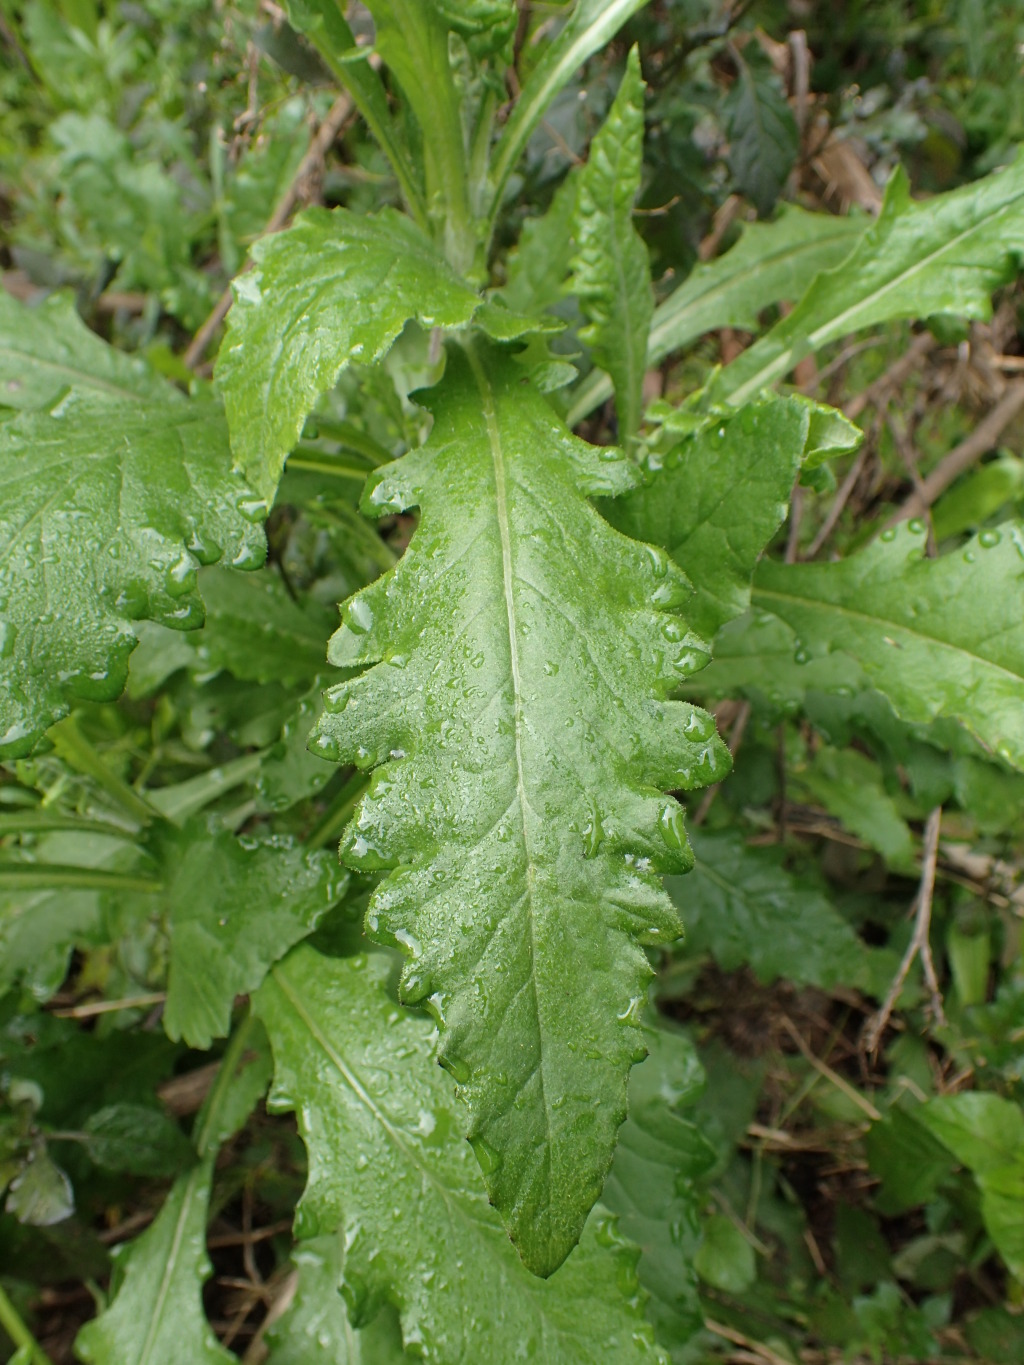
<point>796,1194</point>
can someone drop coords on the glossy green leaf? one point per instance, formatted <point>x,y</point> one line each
<point>46,350</point>
<point>944,255</point>
<point>40,1194</point>
<point>591,25</point>
<point>611,269</point>
<point>771,261</point>
<point>517,660</point>
<point>156,1313</point>
<point>333,288</point>
<point>761,129</point>
<point>652,1185</point>
<point>107,510</point>
<point>138,1139</point>
<point>316,1329</point>
<point>388,1169</point>
<point>941,637</point>
<point>725,1258</point>
<point>232,908</point>
<point>716,499</point>
<point>742,906</point>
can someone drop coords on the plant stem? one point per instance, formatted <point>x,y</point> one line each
<point>40,876</point>
<point>207,1138</point>
<point>336,817</point>
<point>11,1322</point>
<point>76,750</point>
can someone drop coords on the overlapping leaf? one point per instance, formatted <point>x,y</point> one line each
<point>762,132</point>
<point>517,659</point>
<point>107,507</point>
<point>771,261</point>
<point>334,288</point>
<point>941,637</point>
<point>388,1170</point>
<point>945,255</point>
<point>744,908</point>
<point>156,1317</point>
<point>611,269</point>
<point>46,350</point>
<point>652,1185</point>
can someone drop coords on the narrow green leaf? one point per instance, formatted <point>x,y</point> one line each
<point>652,1184</point>
<point>592,24</point>
<point>761,129</point>
<point>388,1170</point>
<point>744,908</point>
<point>941,637</point>
<point>333,288</point>
<point>316,1329</point>
<point>945,255</point>
<point>516,660</point>
<point>611,269</point>
<point>156,1316</point>
<point>107,510</point>
<point>46,350</point>
<point>539,266</point>
<point>849,785</point>
<point>771,261</point>
<point>233,907</point>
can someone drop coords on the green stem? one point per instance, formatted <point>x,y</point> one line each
<point>319,462</point>
<point>38,821</point>
<point>75,749</point>
<point>337,815</point>
<point>38,876</point>
<point>10,1321</point>
<point>207,1138</point>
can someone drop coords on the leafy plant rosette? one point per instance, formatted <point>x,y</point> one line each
<point>505,706</point>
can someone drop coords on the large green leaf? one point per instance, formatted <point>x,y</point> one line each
<point>517,660</point>
<point>591,25</point>
<point>388,1169</point>
<point>652,1184</point>
<point>333,288</point>
<point>771,261</point>
<point>744,908</point>
<point>48,349</point>
<point>945,255</point>
<point>316,1330</point>
<point>156,1316</point>
<point>232,908</point>
<point>941,637</point>
<point>715,500</point>
<point>611,269</point>
<point>107,508</point>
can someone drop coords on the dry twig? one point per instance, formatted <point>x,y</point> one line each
<point>919,943</point>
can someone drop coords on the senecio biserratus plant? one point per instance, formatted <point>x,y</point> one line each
<point>507,701</point>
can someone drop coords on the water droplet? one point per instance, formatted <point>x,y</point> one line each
<point>657,560</point>
<point>488,1158</point>
<point>670,593</point>
<point>989,539</point>
<point>915,526</point>
<point>551,668</point>
<point>672,825</point>
<point>673,631</point>
<point>801,655</point>
<point>477,661</point>
<point>888,534</point>
<point>359,616</point>
<point>593,834</point>
<point>969,556</point>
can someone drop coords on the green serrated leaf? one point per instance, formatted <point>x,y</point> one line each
<point>156,1316</point>
<point>233,907</point>
<point>652,1184</point>
<point>716,501</point>
<point>333,288</point>
<point>744,908</point>
<point>849,785</point>
<point>762,131</point>
<point>316,1329</point>
<point>108,509</point>
<point>516,663</point>
<point>611,269</point>
<point>387,1169</point>
<point>46,350</point>
<point>945,255</point>
<point>939,637</point>
<point>771,261</point>
<point>136,1138</point>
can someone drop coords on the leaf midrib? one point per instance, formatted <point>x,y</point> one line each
<point>78,378</point>
<point>818,604</point>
